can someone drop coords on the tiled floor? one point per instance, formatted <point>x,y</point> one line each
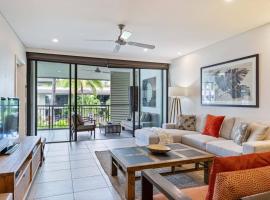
<point>72,172</point>
<point>63,135</point>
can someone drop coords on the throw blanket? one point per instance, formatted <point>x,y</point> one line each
<point>164,138</point>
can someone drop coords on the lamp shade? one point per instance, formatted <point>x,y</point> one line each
<point>177,91</point>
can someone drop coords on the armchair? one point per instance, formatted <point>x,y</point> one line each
<point>83,124</point>
<point>245,177</point>
<point>169,191</point>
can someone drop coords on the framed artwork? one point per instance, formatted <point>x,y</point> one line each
<point>149,92</point>
<point>231,83</point>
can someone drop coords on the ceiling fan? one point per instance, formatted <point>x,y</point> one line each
<point>122,40</point>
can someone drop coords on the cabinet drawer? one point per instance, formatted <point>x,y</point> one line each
<point>36,160</point>
<point>23,183</point>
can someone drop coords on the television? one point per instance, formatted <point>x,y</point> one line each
<point>9,123</point>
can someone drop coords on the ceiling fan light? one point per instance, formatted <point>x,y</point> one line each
<point>125,35</point>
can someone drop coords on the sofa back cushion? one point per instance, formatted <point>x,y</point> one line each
<point>242,183</point>
<point>212,125</point>
<point>258,132</point>
<point>226,127</point>
<point>234,163</point>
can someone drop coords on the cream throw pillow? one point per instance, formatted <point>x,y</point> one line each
<point>257,131</point>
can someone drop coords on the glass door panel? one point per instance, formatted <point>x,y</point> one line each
<point>151,98</point>
<point>52,101</point>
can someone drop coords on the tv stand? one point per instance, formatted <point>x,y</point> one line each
<point>9,150</point>
<point>19,169</point>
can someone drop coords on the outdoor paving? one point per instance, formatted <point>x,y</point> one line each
<point>63,135</point>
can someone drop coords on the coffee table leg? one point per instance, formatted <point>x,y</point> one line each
<point>130,185</point>
<point>113,168</point>
<point>207,166</point>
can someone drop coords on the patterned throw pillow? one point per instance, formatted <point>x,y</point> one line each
<point>241,133</point>
<point>186,122</point>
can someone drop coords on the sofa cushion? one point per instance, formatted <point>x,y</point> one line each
<point>198,140</point>
<point>258,132</point>
<point>186,122</point>
<point>224,148</point>
<point>194,193</point>
<point>148,136</point>
<point>242,183</point>
<point>226,127</point>
<point>213,125</point>
<point>234,163</point>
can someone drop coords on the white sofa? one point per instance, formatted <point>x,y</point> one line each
<point>222,146</point>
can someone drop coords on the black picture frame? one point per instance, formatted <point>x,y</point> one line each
<point>256,86</point>
<point>146,91</point>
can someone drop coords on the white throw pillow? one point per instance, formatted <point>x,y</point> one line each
<point>200,122</point>
<point>258,132</point>
<point>226,127</point>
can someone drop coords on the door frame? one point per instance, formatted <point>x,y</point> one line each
<point>102,62</point>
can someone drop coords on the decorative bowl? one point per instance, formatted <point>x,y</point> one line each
<point>158,148</point>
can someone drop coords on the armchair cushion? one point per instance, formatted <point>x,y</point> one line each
<point>238,184</point>
<point>234,163</point>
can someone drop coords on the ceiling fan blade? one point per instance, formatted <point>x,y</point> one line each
<point>117,48</point>
<point>88,40</point>
<point>137,44</point>
<point>125,35</point>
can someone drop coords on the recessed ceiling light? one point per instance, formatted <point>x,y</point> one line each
<point>179,53</point>
<point>55,40</point>
<point>228,1</point>
<point>145,50</point>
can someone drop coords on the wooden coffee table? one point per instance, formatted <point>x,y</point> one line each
<point>132,159</point>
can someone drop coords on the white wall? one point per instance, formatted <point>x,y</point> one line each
<point>11,47</point>
<point>185,71</point>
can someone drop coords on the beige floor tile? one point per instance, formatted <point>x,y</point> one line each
<point>85,156</point>
<point>59,175</point>
<point>89,183</point>
<point>55,166</point>
<point>85,172</point>
<point>99,194</point>
<point>82,163</point>
<point>59,197</point>
<point>56,159</point>
<point>49,189</point>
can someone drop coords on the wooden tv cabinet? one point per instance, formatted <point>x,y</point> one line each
<point>17,171</point>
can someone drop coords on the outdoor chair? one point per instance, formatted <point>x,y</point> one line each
<point>83,124</point>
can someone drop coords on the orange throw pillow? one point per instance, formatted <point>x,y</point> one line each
<point>234,163</point>
<point>212,125</point>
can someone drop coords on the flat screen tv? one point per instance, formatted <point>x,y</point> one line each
<point>9,122</point>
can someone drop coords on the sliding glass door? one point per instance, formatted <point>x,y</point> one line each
<point>53,101</point>
<point>67,98</point>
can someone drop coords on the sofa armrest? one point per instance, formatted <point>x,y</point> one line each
<point>151,178</point>
<point>169,125</point>
<point>256,146</point>
<point>260,196</point>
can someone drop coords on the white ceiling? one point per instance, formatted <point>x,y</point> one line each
<point>172,25</point>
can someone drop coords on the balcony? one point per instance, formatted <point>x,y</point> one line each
<point>51,117</point>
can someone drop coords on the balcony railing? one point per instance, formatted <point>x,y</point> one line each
<point>58,117</point>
